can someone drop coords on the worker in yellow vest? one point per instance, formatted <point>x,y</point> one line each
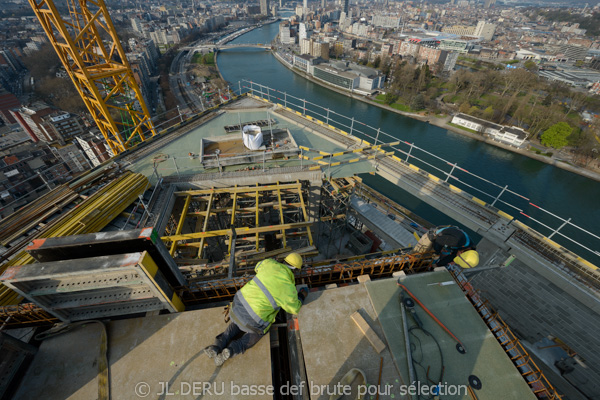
<point>256,305</point>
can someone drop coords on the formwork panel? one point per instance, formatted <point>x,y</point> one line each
<point>95,287</point>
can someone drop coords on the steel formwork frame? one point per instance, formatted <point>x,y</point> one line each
<point>98,68</point>
<point>314,275</point>
<point>243,206</point>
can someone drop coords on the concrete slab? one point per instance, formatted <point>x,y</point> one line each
<point>484,358</point>
<point>149,355</point>
<point>180,163</point>
<point>333,344</point>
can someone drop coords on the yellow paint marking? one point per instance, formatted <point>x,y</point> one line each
<point>587,263</point>
<point>476,200</point>
<point>505,215</point>
<point>552,242</point>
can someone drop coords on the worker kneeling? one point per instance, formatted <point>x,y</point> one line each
<point>256,305</point>
<point>452,244</point>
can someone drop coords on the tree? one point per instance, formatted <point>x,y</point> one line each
<point>377,62</point>
<point>418,102</point>
<point>474,111</point>
<point>488,113</point>
<point>464,107</point>
<point>530,66</point>
<point>575,100</point>
<point>556,136</point>
<point>390,98</point>
<point>386,66</point>
<point>42,63</point>
<point>517,79</point>
<point>547,100</point>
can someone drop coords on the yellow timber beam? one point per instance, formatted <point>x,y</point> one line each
<point>239,231</point>
<point>232,221</point>
<point>281,215</point>
<point>310,239</point>
<point>257,220</point>
<point>206,218</point>
<point>180,224</point>
<point>244,189</point>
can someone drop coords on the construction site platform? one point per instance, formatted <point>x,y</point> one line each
<point>173,159</point>
<point>146,356</point>
<point>333,344</point>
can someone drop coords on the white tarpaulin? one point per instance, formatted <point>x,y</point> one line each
<point>252,136</point>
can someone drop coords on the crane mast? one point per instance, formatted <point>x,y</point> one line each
<point>87,44</point>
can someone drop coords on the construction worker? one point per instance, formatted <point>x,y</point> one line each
<point>256,305</point>
<point>449,242</point>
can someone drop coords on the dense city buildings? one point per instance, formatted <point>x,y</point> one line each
<point>354,46</point>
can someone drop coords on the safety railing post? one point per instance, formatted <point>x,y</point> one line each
<point>285,99</point>
<point>410,151</point>
<point>448,174</point>
<point>327,119</point>
<point>498,197</point>
<point>559,228</point>
<point>351,126</point>
<point>304,107</point>
<point>175,163</point>
<point>377,137</point>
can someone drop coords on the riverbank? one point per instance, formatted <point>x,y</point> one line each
<point>444,124</point>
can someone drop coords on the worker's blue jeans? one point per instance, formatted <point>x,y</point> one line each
<point>236,339</point>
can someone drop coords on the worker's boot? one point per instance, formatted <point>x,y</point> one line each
<point>222,357</point>
<point>211,351</point>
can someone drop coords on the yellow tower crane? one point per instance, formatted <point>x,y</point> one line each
<point>88,46</point>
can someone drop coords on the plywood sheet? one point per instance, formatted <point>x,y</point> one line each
<point>333,344</point>
<point>485,358</point>
<point>150,353</point>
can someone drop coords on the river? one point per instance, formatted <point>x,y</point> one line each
<point>560,192</point>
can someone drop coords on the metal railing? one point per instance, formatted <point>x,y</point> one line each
<point>497,195</point>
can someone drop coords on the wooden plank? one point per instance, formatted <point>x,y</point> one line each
<point>369,333</point>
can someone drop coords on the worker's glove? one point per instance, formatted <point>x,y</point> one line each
<point>226,311</point>
<point>432,234</point>
<point>302,293</point>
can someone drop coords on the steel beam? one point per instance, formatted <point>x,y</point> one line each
<point>98,67</point>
